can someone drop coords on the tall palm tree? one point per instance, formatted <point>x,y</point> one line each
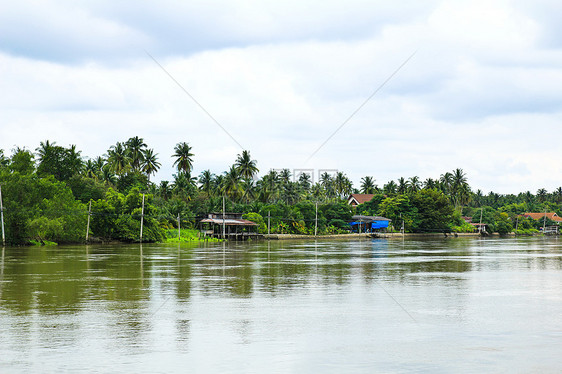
<point>74,159</point>
<point>284,176</point>
<point>368,185</point>
<point>136,148</point>
<point>206,182</point>
<point>558,194</point>
<point>390,188</point>
<point>343,185</point>
<point>150,163</point>
<point>414,184</point>
<point>165,190</point>
<point>118,159</point>
<point>183,155</point>
<point>44,150</point>
<point>246,166</point>
<point>402,186</point>
<point>90,170</point>
<point>305,181</point>
<point>446,182</point>
<point>429,184</point>
<point>541,195</point>
<point>231,186</point>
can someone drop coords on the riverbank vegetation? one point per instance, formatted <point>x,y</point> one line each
<point>49,194</point>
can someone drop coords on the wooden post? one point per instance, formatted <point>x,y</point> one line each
<point>2,219</point>
<point>179,228</point>
<point>142,217</point>
<point>89,214</point>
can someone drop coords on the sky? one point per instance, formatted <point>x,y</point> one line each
<point>372,88</point>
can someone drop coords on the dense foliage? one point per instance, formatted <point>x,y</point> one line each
<point>49,195</point>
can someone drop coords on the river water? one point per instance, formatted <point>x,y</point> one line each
<point>366,306</point>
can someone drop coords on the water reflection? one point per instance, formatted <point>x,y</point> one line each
<point>123,298</point>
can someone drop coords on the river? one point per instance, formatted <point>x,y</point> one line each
<point>364,306</point>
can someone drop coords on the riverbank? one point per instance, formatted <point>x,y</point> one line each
<point>389,235</point>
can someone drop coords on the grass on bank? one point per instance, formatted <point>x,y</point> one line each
<point>187,235</point>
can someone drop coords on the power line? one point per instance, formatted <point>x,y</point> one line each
<point>360,107</point>
<point>194,100</point>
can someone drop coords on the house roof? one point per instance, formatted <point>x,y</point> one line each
<point>551,216</point>
<point>360,198</point>
<point>369,219</point>
<point>229,222</point>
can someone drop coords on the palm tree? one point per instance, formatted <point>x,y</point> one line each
<point>44,150</point>
<point>246,166</point>
<point>541,195</point>
<point>429,184</point>
<point>118,159</point>
<point>90,170</point>
<point>342,185</point>
<point>150,163</point>
<point>231,186</point>
<point>558,194</point>
<point>183,155</point>
<point>446,182</point>
<point>390,188</point>
<point>165,190</point>
<point>284,176</point>
<point>414,184</point>
<point>402,186</point>
<point>136,148</point>
<point>74,159</point>
<point>459,189</point>
<point>304,181</point>
<point>368,185</point>
<point>206,182</point>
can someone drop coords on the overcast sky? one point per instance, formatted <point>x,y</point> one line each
<point>482,92</point>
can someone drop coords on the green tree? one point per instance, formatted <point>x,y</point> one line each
<point>183,156</point>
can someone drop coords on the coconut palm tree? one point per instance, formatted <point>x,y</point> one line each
<point>390,188</point>
<point>414,184</point>
<point>118,159</point>
<point>368,185</point>
<point>150,163</point>
<point>402,186</point>
<point>183,155</point>
<point>136,148</point>
<point>429,184</point>
<point>165,190</point>
<point>231,185</point>
<point>206,182</point>
<point>304,181</point>
<point>246,166</point>
<point>541,195</point>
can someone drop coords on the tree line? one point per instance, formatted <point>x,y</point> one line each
<point>50,192</point>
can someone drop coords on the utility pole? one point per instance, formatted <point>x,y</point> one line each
<point>516,225</point>
<point>2,216</point>
<point>142,217</point>
<point>89,215</point>
<point>268,222</point>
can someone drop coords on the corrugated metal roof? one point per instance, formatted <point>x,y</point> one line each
<point>229,222</point>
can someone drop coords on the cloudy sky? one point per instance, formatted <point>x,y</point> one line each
<point>482,91</point>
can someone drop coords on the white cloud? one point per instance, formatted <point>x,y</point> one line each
<point>482,92</point>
